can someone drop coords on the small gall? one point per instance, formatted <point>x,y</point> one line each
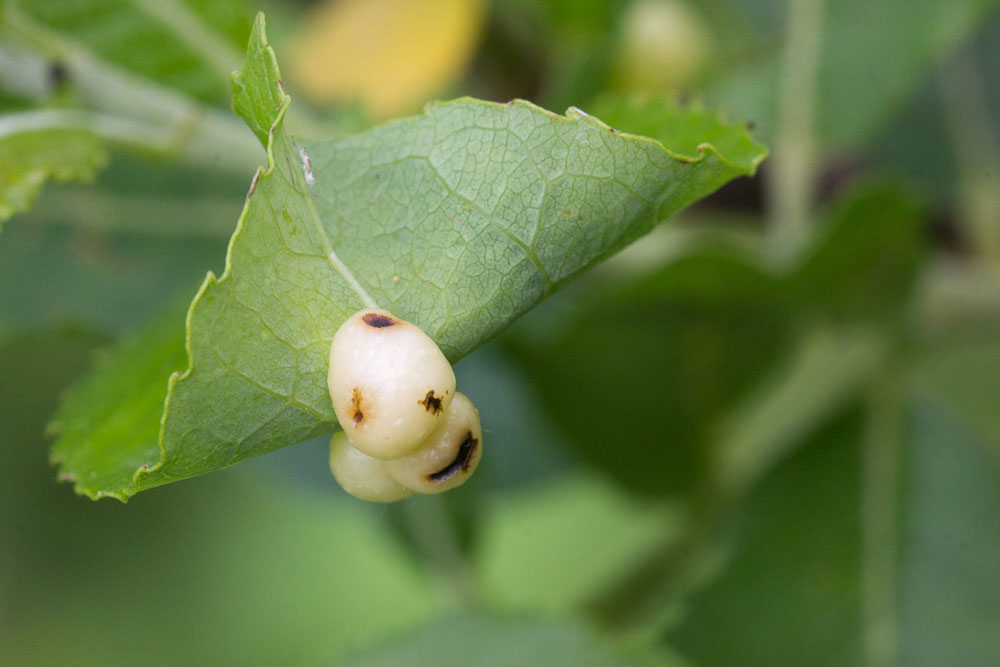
<point>389,383</point>
<point>447,457</point>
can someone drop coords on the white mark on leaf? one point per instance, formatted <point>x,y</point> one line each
<point>307,167</point>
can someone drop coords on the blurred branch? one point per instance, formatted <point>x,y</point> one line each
<point>977,153</point>
<point>879,516</point>
<point>121,130</point>
<point>177,125</point>
<point>824,371</point>
<point>793,165</point>
<point>191,30</point>
<point>96,209</point>
<point>645,604</point>
<point>432,532</point>
<point>958,298</point>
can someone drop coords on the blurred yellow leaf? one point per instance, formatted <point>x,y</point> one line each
<point>391,55</point>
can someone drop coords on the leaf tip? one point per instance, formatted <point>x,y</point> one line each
<point>259,96</point>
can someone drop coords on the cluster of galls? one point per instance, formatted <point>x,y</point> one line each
<point>405,429</point>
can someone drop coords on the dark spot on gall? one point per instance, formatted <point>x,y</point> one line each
<point>461,463</point>
<point>431,402</point>
<point>751,125</point>
<point>378,321</point>
<point>356,405</point>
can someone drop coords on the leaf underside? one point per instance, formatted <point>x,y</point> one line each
<point>459,220</point>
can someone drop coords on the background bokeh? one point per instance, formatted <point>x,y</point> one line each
<point>765,434</point>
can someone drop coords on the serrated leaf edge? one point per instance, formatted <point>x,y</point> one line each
<point>575,114</point>
<point>210,278</point>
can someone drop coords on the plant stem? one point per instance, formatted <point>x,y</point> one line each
<point>433,534</point>
<point>821,374</point>
<point>748,443</point>
<point>977,154</point>
<point>879,515</point>
<point>97,210</point>
<point>958,297</point>
<point>175,124</point>
<point>794,165</point>
<point>643,604</point>
<point>123,131</point>
<point>190,29</point>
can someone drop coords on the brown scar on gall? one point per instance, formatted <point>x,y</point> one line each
<point>377,321</point>
<point>461,463</point>
<point>431,402</point>
<point>356,405</point>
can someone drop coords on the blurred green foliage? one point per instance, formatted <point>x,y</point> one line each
<point>702,452</point>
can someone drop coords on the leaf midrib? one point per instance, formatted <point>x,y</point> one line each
<point>333,259</point>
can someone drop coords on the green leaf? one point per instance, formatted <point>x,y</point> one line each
<point>965,376</point>
<point>826,369</point>
<point>189,45</point>
<point>522,551</point>
<point>470,639</point>
<point>70,570</point>
<point>790,593</point>
<point>459,220</point>
<point>124,398</point>
<point>865,71</point>
<point>950,595</point>
<point>691,339</point>
<point>952,154</point>
<point>865,260</point>
<point>109,256</point>
<point>811,582</point>
<point>108,279</point>
<point>738,356</point>
<point>34,150</point>
<point>684,128</point>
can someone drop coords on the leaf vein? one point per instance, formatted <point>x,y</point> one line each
<point>290,400</point>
